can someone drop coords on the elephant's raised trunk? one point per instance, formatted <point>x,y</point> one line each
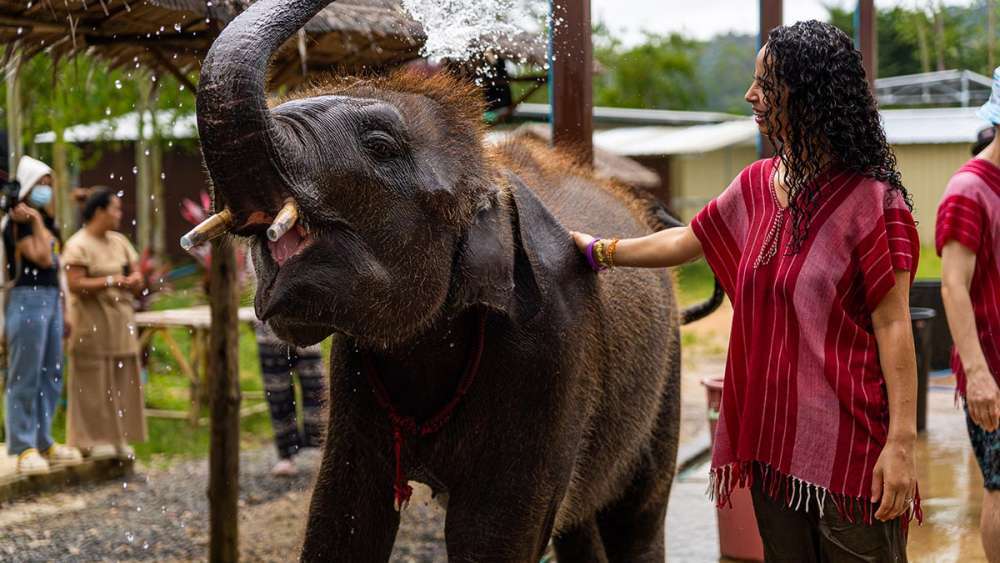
<point>244,148</point>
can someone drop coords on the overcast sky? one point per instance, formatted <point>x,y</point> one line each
<point>705,18</point>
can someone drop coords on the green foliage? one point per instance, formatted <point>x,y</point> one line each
<point>658,73</point>
<point>57,94</point>
<point>933,37</point>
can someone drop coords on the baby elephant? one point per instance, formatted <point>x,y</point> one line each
<point>476,351</point>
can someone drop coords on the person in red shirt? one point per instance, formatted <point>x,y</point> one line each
<point>968,239</point>
<point>816,248</point>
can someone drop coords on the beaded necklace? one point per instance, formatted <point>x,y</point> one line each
<point>773,239</point>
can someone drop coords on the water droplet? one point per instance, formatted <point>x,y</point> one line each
<point>177,27</point>
<point>121,193</point>
<point>135,170</point>
<point>118,84</point>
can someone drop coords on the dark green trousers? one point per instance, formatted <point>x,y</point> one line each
<point>805,537</point>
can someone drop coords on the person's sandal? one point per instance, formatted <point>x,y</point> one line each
<point>29,462</point>
<point>58,454</point>
<point>125,451</point>
<point>284,468</point>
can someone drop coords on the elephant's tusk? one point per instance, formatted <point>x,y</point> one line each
<point>213,227</point>
<point>285,220</point>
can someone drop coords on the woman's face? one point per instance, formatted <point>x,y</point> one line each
<point>769,122</point>
<point>111,216</point>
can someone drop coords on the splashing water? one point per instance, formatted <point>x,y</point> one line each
<point>457,29</point>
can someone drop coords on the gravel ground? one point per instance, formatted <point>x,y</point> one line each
<point>162,514</point>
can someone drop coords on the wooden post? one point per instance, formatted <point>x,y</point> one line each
<point>13,78</point>
<point>770,18</point>
<point>63,200</point>
<point>866,38</point>
<point>143,191</point>
<point>224,382</point>
<point>991,29</point>
<point>571,67</point>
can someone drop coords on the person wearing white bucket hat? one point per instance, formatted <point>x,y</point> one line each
<point>968,240</point>
<point>34,326</point>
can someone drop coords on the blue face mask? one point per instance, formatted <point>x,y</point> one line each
<point>40,196</point>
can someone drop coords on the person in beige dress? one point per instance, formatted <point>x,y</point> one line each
<point>105,390</point>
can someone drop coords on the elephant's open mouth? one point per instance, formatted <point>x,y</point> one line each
<point>290,245</point>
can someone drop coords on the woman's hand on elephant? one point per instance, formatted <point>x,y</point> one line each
<point>582,240</point>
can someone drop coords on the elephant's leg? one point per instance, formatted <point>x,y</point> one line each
<point>632,528</point>
<point>581,544</point>
<point>351,516</point>
<point>491,526</point>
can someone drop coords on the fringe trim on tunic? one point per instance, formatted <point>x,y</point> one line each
<point>796,493</point>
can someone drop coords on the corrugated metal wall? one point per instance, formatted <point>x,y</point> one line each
<point>926,170</point>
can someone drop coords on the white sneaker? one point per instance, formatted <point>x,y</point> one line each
<point>102,450</point>
<point>125,451</point>
<point>58,454</point>
<point>29,462</point>
<point>284,468</point>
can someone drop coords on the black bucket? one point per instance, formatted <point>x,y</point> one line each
<point>927,293</point>
<point>922,319</point>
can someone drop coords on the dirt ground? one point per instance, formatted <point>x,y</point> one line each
<point>162,513</point>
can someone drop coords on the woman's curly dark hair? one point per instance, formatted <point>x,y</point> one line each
<point>814,74</point>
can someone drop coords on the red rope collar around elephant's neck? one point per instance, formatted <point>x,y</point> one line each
<point>402,425</point>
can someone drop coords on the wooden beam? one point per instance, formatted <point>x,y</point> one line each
<point>193,40</point>
<point>866,38</point>
<point>224,376</point>
<point>571,83</point>
<point>14,108</point>
<point>170,67</point>
<point>770,18</point>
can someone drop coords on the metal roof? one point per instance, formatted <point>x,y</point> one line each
<point>650,141</point>
<point>126,128</point>
<point>629,116</point>
<point>932,125</point>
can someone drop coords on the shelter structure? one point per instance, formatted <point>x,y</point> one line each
<point>942,88</point>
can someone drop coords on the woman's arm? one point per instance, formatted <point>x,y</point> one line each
<point>79,283</point>
<point>958,263</point>
<point>894,480</point>
<point>666,248</point>
<point>135,281</point>
<point>36,247</point>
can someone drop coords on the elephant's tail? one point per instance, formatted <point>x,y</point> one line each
<point>659,218</point>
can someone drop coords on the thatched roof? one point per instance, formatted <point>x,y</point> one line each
<point>174,35</point>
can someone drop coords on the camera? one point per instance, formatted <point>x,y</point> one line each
<point>8,195</point>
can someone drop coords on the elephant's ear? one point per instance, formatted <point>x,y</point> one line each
<point>513,256</point>
<point>483,273</point>
<point>546,260</point>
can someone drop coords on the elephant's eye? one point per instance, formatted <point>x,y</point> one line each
<point>380,145</point>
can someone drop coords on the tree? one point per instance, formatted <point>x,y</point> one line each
<point>661,72</point>
<point>930,37</point>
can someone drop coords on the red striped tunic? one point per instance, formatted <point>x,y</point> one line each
<point>804,396</point>
<point>968,214</point>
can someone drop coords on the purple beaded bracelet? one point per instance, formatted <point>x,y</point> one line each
<point>590,257</point>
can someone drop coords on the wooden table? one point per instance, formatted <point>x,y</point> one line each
<point>197,321</point>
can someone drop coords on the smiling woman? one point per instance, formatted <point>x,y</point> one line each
<point>816,248</point>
